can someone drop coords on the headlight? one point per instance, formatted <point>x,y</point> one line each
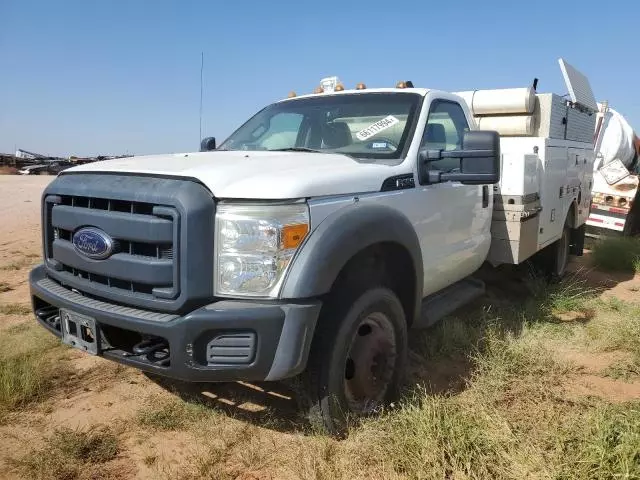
<point>255,244</point>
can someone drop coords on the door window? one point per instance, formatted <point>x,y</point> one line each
<point>445,128</point>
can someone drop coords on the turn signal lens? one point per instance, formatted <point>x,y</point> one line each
<point>293,235</point>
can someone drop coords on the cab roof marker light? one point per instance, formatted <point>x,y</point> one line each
<point>404,84</point>
<point>291,94</point>
<point>361,86</point>
<point>318,90</point>
<point>339,87</point>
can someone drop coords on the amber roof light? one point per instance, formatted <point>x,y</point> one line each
<point>404,84</point>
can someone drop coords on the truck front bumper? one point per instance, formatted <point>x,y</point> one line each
<point>224,341</point>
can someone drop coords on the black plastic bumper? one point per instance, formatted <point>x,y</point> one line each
<point>282,333</point>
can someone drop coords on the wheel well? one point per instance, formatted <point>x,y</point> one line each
<point>385,264</point>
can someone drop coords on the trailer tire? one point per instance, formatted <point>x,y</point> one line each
<point>357,359</point>
<point>632,223</point>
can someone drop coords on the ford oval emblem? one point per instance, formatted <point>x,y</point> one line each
<point>93,243</point>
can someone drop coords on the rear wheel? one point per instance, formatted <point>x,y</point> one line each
<point>357,359</point>
<point>554,260</point>
<point>561,261</point>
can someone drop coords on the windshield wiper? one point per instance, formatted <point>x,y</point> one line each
<point>295,149</point>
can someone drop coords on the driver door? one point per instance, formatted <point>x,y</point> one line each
<point>452,253</point>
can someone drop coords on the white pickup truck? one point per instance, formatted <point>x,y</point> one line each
<point>313,238</point>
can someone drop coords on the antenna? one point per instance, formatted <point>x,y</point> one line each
<point>201,69</point>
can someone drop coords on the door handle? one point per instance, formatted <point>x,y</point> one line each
<point>485,196</point>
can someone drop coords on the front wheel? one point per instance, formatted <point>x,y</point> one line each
<point>357,359</point>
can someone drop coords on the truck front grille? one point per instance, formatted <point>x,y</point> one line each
<point>145,219</point>
<point>143,234</point>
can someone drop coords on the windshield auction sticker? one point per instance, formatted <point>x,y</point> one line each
<point>379,126</point>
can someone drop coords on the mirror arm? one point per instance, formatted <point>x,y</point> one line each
<point>430,155</point>
<point>434,176</point>
<point>480,178</point>
<point>465,153</point>
<point>433,155</point>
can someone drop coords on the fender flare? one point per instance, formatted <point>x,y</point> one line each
<point>339,238</point>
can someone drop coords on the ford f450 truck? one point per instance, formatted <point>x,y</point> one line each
<point>310,241</point>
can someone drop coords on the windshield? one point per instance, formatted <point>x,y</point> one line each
<point>366,125</point>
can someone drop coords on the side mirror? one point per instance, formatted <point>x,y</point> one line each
<point>479,161</point>
<point>207,144</point>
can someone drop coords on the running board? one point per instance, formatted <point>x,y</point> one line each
<point>448,300</point>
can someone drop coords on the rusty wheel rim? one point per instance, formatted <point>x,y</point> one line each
<point>370,364</point>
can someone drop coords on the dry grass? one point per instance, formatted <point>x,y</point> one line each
<point>23,379</point>
<point>621,254</point>
<point>236,451</point>
<point>21,260</point>
<point>515,417</point>
<point>469,438</point>
<point>15,265</point>
<point>174,414</point>
<point>29,369</point>
<point>14,309</point>
<point>627,370</point>
<point>617,327</point>
<point>71,454</point>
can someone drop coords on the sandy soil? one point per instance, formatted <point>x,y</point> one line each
<point>20,240</point>
<point>100,391</point>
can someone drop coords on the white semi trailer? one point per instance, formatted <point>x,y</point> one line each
<point>616,197</point>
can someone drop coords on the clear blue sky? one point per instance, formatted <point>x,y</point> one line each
<point>88,77</point>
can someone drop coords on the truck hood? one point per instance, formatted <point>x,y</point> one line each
<point>257,175</point>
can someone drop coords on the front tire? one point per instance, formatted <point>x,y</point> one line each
<point>357,359</point>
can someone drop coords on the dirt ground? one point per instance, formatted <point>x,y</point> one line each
<point>20,240</point>
<point>97,391</point>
